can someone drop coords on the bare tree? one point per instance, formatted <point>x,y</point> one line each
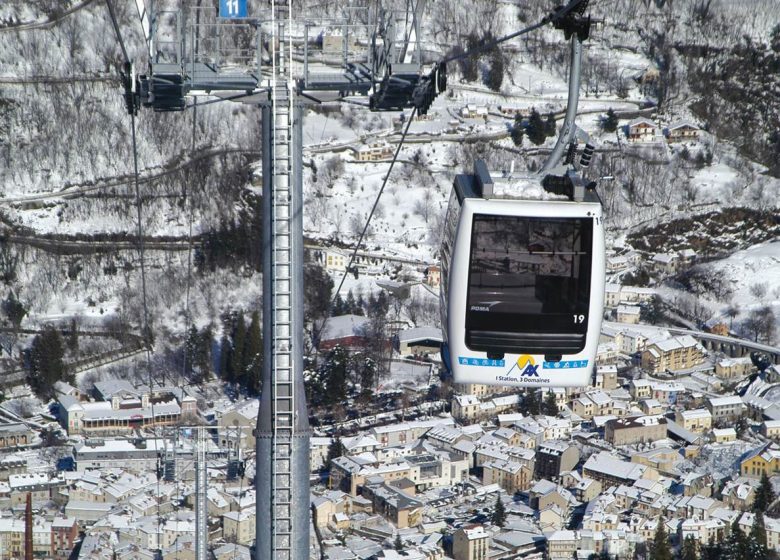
<point>759,290</point>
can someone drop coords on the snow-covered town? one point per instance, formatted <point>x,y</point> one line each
<point>167,342</point>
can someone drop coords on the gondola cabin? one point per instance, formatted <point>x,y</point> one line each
<point>523,273</point>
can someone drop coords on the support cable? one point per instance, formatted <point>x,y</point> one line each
<point>146,333</point>
<point>373,208</point>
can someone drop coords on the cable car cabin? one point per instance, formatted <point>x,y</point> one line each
<point>522,291</point>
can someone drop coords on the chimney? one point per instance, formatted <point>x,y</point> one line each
<point>28,530</point>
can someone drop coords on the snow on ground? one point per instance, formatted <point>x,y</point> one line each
<point>755,266</point>
<point>716,183</point>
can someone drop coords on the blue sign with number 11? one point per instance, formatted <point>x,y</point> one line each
<point>232,8</point>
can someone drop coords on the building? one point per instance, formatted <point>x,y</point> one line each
<point>554,458</point>
<point>606,378</point>
<point>611,471</point>
<point>725,409</point>
<point>406,432</point>
<point>683,131</point>
<point>393,503</point>
<point>124,409</point>
<point>238,425</point>
<point>665,263</point>
<point>641,130</point>
<point>424,469</point>
<point>239,526</point>
<point>510,475</point>
<point>651,406</point>
<point>638,429</point>
<point>332,259</point>
<point>666,392</point>
<point>348,331</point>
<point>611,294</point>
<point>672,354</point>
<point>333,42</point>
<point>376,151</point>
<point>471,542</point>
<point>628,314</point>
<point>562,545</point>
<point>15,435</point>
<point>64,533</point>
<point>698,420</point>
<point>762,460</point>
<point>433,275</point>
<point>136,456</point>
<point>592,403</point>
<point>640,389</point>
<point>616,264</point>
<point>733,368</point>
<point>513,111</point>
<point>770,429</point>
<point>465,408</point>
<point>724,435</point>
<point>473,111</point>
<point>418,341</point>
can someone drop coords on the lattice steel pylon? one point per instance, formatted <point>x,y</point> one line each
<point>192,52</point>
<point>283,425</point>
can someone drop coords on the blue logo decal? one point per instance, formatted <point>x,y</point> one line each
<point>565,364</point>
<point>482,362</point>
<point>232,8</point>
<point>528,365</point>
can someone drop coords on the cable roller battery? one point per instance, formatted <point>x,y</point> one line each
<point>587,154</point>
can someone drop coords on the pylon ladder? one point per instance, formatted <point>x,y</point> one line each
<point>281,284</point>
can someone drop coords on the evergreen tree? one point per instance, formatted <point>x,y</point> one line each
<point>351,304</point>
<point>757,542</point>
<point>14,310</point>
<point>689,549</point>
<point>712,551</point>
<point>610,122</point>
<point>495,75</point>
<point>660,549</point>
<point>203,354</point>
<point>253,355</point>
<point>335,450</point>
<point>549,125</point>
<point>550,407</point>
<point>73,337</point>
<point>225,350</point>
<point>517,133</point>
<point>338,307</point>
<point>535,128</point>
<point>765,495</point>
<point>398,544</point>
<point>378,306</point>
<point>361,306</point>
<point>45,365</point>
<point>334,375</point>
<point>366,371</point>
<point>237,364</point>
<point>736,545</point>
<point>499,513</point>
<point>470,65</point>
<point>191,342</point>
<point>533,408</point>
<point>317,289</point>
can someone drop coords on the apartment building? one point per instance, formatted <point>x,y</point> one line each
<point>638,429</point>
<point>725,409</point>
<point>697,420</point>
<point>471,542</point>
<point>672,354</point>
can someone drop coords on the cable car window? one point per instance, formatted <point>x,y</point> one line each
<point>529,283</point>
